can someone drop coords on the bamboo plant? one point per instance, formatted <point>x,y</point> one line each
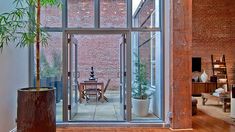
<point>22,26</point>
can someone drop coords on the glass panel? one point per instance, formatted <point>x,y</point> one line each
<point>81,13</point>
<point>51,16</point>
<point>153,47</point>
<point>72,79</point>
<point>113,13</point>
<point>154,37</point>
<point>51,68</point>
<point>145,77</point>
<point>153,74</point>
<point>145,13</point>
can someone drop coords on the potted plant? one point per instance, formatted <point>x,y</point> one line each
<point>51,73</point>
<point>140,90</point>
<point>35,105</point>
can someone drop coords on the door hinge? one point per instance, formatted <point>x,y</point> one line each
<point>169,115</point>
<point>124,107</point>
<point>69,107</point>
<point>69,40</point>
<point>124,40</point>
<point>124,74</point>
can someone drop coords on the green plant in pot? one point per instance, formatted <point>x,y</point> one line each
<point>51,72</point>
<point>140,90</point>
<point>53,69</point>
<point>22,26</point>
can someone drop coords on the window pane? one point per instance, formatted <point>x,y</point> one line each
<point>145,13</point>
<point>144,76</point>
<point>153,47</point>
<point>81,13</point>
<point>113,13</point>
<point>51,16</point>
<point>51,68</point>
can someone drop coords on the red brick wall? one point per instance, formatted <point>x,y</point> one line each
<point>81,13</point>
<point>214,33</point>
<point>101,52</point>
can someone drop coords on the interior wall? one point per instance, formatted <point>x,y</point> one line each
<point>13,75</point>
<point>213,25</point>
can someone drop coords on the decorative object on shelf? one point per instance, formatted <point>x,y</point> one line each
<point>213,78</point>
<point>222,80</point>
<point>92,75</point>
<point>225,87</point>
<point>195,79</point>
<point>195,76</point>
<point>219,69</point>
<point>204,76</point>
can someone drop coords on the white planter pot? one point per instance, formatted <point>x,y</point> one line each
<point>140,107</point>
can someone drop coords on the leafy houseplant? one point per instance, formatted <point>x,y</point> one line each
<point>53,69</point>
<point>51,73</point>
<point>140,90</point>
<point>23,27</point>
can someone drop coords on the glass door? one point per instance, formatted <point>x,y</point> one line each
<point>72,76</point>
<point>109,66</point>
<point>122,75</point>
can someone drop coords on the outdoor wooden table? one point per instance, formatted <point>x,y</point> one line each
<point>82,88</point>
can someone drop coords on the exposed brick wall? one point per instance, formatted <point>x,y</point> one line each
<point>81,13</point>
<point>51,17</point>
<point>113,13</point>
<point>101,52</point>
<point>214,33</point>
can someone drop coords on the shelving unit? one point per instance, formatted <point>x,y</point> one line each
<point>220,70</point>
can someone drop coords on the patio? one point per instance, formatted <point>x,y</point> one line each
<point>98,111</point>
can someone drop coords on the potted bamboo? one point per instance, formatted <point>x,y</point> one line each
<point>35,105</point>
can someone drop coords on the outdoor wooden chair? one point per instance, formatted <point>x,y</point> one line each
<point>105,88</point>
<point>91,90</point>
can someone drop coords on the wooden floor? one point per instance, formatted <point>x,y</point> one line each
<point>201,123</point>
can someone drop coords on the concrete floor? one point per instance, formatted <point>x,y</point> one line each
<point>98,111</point>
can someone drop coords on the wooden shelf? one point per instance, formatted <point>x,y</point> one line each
<point>219,70</point>
<point>219,63</point>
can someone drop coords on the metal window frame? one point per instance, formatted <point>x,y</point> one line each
<point>128,30</point>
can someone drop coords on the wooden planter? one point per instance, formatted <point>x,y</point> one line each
<point>36,110</point>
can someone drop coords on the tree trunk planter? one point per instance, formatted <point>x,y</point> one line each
<point>36,110</point>
<point>140,107</point>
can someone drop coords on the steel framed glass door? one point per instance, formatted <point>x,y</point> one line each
<point>72,76</point>
<point>122,75</point>
<point>78,108</point>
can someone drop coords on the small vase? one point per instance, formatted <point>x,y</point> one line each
<point>204,76</point>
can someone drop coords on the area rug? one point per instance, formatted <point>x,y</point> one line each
<point>214,108</point>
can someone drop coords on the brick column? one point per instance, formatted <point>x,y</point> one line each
<point>181,71</point>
